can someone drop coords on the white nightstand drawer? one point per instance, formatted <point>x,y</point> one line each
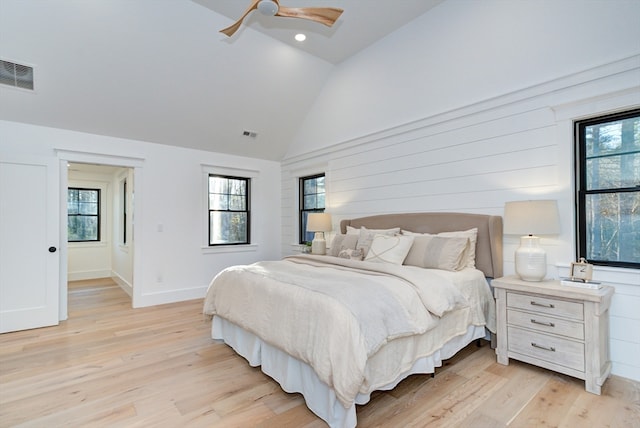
<point>546,324</point>
<point>556,350</point>
<point>545,305</point>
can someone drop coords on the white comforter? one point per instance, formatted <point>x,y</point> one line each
<point>334,314</point>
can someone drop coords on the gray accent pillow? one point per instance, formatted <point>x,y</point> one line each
<point>342,242</point>
<point>438,252</point>
<point>472,234</point>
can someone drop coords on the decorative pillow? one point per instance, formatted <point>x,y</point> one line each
<point>366,237</point>
<point>350,254</point>
<point>342,242</point>
<point>471,234</point>
<point>357,255</point>
<point>437,252</point>
<point>389,249</point>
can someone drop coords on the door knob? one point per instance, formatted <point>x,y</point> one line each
<point>52,249</point>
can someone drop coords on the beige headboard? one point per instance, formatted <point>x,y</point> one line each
<point>489,246</point>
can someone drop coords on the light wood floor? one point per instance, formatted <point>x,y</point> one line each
<point>112,366</point>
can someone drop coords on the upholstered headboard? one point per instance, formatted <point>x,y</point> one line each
<point>488,248</point>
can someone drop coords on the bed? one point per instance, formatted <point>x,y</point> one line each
<point>335,328</point>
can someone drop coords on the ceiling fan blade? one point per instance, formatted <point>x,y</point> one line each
<point>323,15</point>
<point>234,27</point>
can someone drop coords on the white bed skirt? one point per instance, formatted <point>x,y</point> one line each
<point>295,376</point>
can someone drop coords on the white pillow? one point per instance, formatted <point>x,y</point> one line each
<point>353,230</point>
<point>437,252</point>
<point>366,237</point>
<point>389,249</point>
<point>471,234</point>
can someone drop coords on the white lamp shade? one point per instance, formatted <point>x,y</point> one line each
<point>319,222</point>
<point>531,218</point>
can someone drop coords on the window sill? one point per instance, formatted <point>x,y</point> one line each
<point>222,249</point>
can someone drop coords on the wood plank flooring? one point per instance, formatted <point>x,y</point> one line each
<point>113,366</point>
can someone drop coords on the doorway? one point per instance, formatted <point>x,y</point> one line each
<point>99,217</point>
<point>125,255</point>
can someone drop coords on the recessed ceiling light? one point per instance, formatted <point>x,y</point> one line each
<point>300,37</point>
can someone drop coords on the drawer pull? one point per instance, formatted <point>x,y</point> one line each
<point>544,305</point>
<point>547,324</point>
<point>550,348</point>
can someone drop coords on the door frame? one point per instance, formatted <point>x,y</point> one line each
<point>135,163</point>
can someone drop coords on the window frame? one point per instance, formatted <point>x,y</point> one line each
<point>302,211</point>
<point>247,201</point>
<point>98,216</point>
<point>125,207</point>
<point>581,191</point>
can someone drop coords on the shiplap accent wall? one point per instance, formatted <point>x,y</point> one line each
<point>466,164</point>
<point>474,159</point>
<point>459,165</point>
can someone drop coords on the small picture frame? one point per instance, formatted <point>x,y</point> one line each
<point>581,270</point>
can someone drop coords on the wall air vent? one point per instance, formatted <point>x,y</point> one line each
<point>16,75</point>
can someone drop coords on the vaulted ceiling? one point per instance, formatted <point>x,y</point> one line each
<point>362,23</point>
<point>159,70</point>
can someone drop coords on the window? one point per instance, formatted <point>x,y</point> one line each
<point>608,189</point>
<point>83,214</point>
<point>311,201</point>
<point>228,210</point>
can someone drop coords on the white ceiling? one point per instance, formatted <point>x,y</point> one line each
<point>362,23</point>
<point>160,71</point>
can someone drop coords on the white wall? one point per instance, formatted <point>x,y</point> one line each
<point>121,252</point>
<point>173,264</point>
<point>470,107</point>
<point>463,52</point>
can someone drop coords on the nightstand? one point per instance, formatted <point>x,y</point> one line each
<point>561,328</point>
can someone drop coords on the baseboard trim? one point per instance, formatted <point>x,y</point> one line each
<point>88,274</point>
<point>123,283</point>
<point>172,296</point>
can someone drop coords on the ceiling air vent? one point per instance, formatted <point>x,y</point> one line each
<point>16,75</point>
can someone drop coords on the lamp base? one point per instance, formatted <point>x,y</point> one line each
<point>531,259</point>
<point>319,245</point>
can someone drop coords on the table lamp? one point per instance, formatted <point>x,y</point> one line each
<point>528,219</point>
<point>319,223</point>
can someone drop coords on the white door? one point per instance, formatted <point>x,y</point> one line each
<point>29,243</point>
